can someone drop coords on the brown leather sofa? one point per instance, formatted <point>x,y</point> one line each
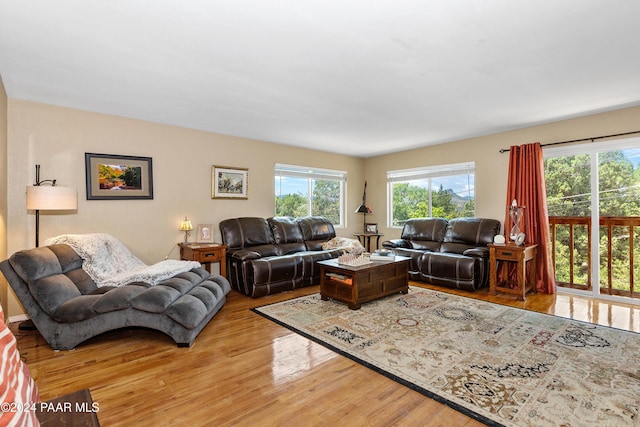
<point>267,256</point>
<point>451,253</point>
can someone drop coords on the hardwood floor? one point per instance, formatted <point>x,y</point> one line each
<point>246,370</point>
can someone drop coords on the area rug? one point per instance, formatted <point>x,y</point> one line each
<point>497,364</point>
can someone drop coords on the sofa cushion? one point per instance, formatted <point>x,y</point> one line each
<point>76,309</point>
<point>117,298</point>
<point>316,228</point>
<point>472,231</point>
<point>155,299</point>
<point>285,230</point>
<point>275,269</point>
<point>188,310</point>
<point>35,263</point>
<point>424,230</point>
<point>52,291</point>
<point>451,270</point>
<point>245,232</point>
<point>82,280</point>
<point>261,250</point>
<point>67,257</point>
<point>287,235</point>
<point>455,248</point>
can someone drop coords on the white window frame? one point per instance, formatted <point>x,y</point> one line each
<point>310,173</point>
<point>426,172</point>
<point>593,149</point>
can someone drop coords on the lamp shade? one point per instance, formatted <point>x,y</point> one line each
<point>185,225</point>
<point>51,198</point>
<point>364,209</point>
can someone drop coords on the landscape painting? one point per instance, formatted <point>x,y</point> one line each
<point>229,183</point>
<point>118,177</point>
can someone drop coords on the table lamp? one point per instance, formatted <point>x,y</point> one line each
<point>185,225</point>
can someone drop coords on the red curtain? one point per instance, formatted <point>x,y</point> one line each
<point>526,185</point>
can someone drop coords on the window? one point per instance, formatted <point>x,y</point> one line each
<point>445,191</point>
<point>593,201</point>
<point>302,191</point>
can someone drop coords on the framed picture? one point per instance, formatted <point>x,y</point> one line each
<point>205,233</point>
<point>371,228</point>
<point>114,177</point>
<point>229,183</point>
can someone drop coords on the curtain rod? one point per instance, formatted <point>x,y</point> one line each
<point>504,150</point>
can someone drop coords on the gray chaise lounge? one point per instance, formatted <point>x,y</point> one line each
<point>68,307</point>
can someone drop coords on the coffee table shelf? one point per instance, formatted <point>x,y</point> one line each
<point>359,284</point>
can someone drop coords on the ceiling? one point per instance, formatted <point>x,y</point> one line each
<point>356,77</point>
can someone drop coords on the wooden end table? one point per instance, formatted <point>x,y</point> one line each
<point>365,239</point>
<point>205,253</point>
<point>355,285</point>
<point>509,254</point>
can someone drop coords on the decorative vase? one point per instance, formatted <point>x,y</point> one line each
<point>515,212</point>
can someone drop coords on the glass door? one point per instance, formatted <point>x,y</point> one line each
<point>593,196</point>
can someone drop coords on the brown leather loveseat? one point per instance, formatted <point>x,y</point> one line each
<point>266,256</point>
<point>451,253</point>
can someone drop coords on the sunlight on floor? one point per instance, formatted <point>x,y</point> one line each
<point>600,312</point>
<point>294,356</point>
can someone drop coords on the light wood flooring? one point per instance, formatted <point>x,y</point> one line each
<point>246,370</point>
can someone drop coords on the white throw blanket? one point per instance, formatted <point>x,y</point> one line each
<point>109,263</point>
<point>351,246</point>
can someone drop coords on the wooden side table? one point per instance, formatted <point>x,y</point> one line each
<point>366,239</point>
<point>510,254</point>
<point>205,253</point>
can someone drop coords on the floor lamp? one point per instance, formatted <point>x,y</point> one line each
<point>364,209</point>
<point>43,197</point>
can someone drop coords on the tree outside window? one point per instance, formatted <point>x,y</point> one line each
<point>302,191</point>
<point>445,191</point>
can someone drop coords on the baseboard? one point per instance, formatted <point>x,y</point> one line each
<point>18,318</point>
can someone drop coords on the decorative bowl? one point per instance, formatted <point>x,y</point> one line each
<point>383,252</point>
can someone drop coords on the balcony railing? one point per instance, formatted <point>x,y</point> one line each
<point>571,243</point>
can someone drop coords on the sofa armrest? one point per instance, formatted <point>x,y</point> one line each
<point>480,252</point>
<point>243,255</point>
<point>396,243</point>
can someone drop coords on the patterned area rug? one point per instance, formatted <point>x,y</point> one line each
<point>497,364</point>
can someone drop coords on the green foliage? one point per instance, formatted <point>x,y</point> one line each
<point>412,201</point>
<point>569,194</point>
<point>132,177</point>
<point>295,205</point>
<point>325,201</point>
<point>568,188</point>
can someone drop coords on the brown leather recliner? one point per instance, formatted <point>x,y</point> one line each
<point>451,253</point>
<point>266,256</point>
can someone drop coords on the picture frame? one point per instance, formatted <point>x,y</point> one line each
<point>371,228</point>
<point>205,233</point>
<point>229,182</point>
<point>118,177</point>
